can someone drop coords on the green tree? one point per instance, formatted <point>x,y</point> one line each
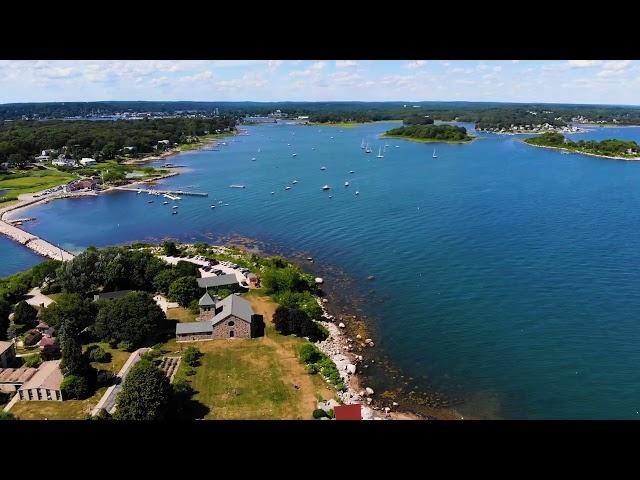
<point>74,387</point>
<point>145,394</point>
<point>192,356</point>
<point>129,319</point>
<point>25,314</point>
<point>170,249</point>
<point>5,311</point>
<point>82,274</point>
<point>71,308</point>
<point>184,290</point>
<point>163,280</point>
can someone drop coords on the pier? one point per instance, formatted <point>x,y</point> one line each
<point>162,192</point>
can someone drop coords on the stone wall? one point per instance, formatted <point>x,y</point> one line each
<point>241,328</point>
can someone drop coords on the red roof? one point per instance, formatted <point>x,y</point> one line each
<point>47,341</point>
<point>348,412</point>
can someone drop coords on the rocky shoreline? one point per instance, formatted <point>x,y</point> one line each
<point>630,159</point>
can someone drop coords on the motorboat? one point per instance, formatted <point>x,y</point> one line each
<point>346,184</point>
<point>326,187</point>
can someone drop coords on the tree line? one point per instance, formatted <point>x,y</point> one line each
<point>21,141</point>
<point>432,132</point>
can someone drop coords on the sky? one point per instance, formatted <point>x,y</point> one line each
<point>552,81</point>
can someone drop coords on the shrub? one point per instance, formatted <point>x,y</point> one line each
<point>192,356</point>
<point>319,413</point>
<point>105,378</point>
<point>97,354</point>
<point>32,337</point>
<point>32,360</point>
<point>126,346</point>
<point>7,415</point>
<point>309,353</point>
<point>74,387</point>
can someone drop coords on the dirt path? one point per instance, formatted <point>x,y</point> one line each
<point>286,349</point>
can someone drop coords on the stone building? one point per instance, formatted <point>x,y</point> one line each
<point>232,317</point>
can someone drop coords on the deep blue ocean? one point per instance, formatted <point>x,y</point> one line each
<point>507,271</point>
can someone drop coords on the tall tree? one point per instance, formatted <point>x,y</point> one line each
<point>145,394</point>
<point>5,310</point>
<point>25,314</point>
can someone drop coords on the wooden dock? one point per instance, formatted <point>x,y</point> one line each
<point>162,192</point>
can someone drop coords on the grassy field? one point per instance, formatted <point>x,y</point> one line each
<point>254,378</point>
<point>30,181</point>
<point>181,315</point>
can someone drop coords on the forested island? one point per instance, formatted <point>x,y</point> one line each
<point>430,133</point>
<point>610,148</point>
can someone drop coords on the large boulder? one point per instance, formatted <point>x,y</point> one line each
<point>350,368</point>
<point>369,390</point>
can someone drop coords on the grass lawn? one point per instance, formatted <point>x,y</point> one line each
<point>51,410</point>
<point>30,181</point>
<point>181,315</point>
<point>118,358</point>
<point>253,378</point>
<point>55,296</point>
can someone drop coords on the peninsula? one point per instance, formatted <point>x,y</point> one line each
<point>610,148</point>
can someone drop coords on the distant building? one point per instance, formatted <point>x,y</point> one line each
<point>44,384</point>
<point>232,317</point>
<point>7,354</point>
<point>88,161</point>
<point>163,142</point>
<point>42,158</point>
<point>64,162</point>
<point>218,281</point>
<point>111,295</point>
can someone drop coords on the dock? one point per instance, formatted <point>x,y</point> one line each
<point>162,192</point>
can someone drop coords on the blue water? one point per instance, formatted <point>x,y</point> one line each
<point>15,258</point>
<point>504,270</point>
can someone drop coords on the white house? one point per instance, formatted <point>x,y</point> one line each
<point>88,161</point>
<point>64,162</point>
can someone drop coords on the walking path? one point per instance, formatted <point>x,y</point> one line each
<point>38,298</point>
<point>108,400</point>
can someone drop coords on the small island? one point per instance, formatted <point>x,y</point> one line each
<point>610,148</point>
<point>430,134</point>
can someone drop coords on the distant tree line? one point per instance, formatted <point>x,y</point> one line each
<point>21,141</point>
<point>609,147</point>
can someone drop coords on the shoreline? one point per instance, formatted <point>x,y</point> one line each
<point>429,140</point>
<point>629,159</point>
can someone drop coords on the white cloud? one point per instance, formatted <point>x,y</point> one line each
<point>313,69</point>
<point>197,77</point>
<point>345,78</point>
<point>275,64</point>
<point>346,63</point>
<point>416,64</point>
<point>497,68</point>
<point>616,64</point>
<point>583,63</point>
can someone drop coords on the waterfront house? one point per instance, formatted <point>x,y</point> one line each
<point>227,280</point>
<point>7,354</point>
<point>44,384</point>
<point>111,295</point>
<point>88,184</point>
<point>232,317</point>
<point>11,379</point>
<point>88,161</point>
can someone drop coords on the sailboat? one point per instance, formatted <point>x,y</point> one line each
<point>380,155</point>
<point>362,144</point>
<point>367,150</point>
<point>434,153</point>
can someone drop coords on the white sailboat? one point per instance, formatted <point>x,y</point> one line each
<point>434,153</point>
<point>362,144</point>
<point>367,150</point>
<point>380,155</point>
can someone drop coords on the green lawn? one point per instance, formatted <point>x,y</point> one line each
<point>30,181</point>
<point>118,358</point>
<point>243,380</point>
<point>52,410</point>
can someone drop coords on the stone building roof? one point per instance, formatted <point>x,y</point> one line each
<point>16,375</point>
<point>233,305</point>
<point>193,327</point>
